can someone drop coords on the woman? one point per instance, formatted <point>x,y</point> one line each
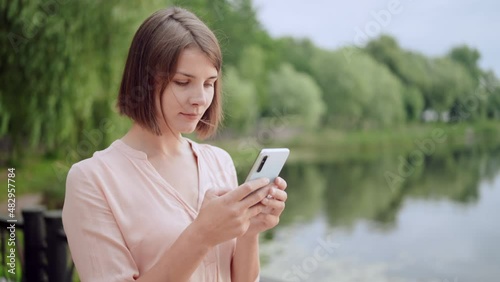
<point>155,206</point>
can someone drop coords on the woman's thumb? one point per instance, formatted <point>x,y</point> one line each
<point>215,192</point>
<point>210,194</point>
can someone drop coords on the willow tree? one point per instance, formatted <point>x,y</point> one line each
<point>359,93</point>
<point>241,102</point>
<point>296,96</point>
<point>61,62</point>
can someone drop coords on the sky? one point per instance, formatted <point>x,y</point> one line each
<point>431,27</point>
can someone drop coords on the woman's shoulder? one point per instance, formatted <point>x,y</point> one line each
<point>215,150</point>
<point>99,160</point>
<point>218,163</point>
<point>210,150</point>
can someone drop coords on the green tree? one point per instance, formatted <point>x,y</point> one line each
<point>61,63</point>
<point>241,106</point>
<point>415,72</point>
<point>251,67</point>
<point>469,58</point>
<point>413,69</point>
<point>386,50</point>
<point>472,105</point>
<point>297,52</point>
<point>234,23</point>
<point>414,103</point>
<point>360,93</point>
<point>451,85</point>
<point>446,83</point>
<point>297,94</point>
<point>491,88</point>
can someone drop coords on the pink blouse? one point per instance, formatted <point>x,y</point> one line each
<point>121,216</point>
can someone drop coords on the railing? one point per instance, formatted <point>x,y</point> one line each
<point>43,255</point>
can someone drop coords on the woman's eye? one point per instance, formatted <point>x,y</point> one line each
<point>209,85</point>
<point>181,83</point>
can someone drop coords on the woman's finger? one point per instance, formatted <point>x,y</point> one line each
<point>281,183</point>
<point>268,220</point>
<point>278,194</point>
<point>256,210</point>
<point>273,204</point>
<point>246,190</point>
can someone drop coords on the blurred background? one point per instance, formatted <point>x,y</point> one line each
<point>391,110</point>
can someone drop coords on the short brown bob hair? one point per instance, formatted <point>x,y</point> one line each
<point>152,61</point>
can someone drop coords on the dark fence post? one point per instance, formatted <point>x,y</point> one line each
<point>56,247</point>
<point>34,244</point>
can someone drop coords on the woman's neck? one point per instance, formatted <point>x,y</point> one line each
<point>167,144</point>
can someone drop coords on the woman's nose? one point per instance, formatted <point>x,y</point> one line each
<point>198,97</point>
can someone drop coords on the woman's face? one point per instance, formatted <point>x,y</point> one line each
<point>190,92</point>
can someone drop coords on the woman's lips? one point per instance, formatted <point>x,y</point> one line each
<point>190,116</point>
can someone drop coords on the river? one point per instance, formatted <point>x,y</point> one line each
<point>390,218</point>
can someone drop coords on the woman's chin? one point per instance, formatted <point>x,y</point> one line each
<point>188,130</point>
<point>185,127</point>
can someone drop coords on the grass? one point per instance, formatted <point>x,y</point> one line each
<point>334,145</point>
<point>19,247</point>
<point>36,175</point>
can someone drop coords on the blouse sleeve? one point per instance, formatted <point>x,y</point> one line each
<point>95,241</point>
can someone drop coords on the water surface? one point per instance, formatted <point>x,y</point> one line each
<point>347,222</point>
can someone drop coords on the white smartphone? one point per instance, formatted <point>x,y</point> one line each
<point>268,164</point>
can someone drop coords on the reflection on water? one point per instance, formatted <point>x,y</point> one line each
<point>345,222</point>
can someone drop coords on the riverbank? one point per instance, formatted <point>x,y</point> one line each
<point>332,145</point>
<point>39,176</point>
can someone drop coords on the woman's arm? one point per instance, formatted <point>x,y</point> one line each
<point>181,260</point>
<point>96,243</point>
<point>223,216</point>
<point>246,264</point>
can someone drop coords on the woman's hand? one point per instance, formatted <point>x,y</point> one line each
<point>226,214</point>
<point>272,207</point>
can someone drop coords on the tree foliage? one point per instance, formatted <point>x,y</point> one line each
<point>469,58</point>
<point>241,102</point>
<point>360,93</point>
<point>491,87</point>
<point>449,85</point>
<point>296,95</point>
<point>251,67</point>
<point>61,63</point>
